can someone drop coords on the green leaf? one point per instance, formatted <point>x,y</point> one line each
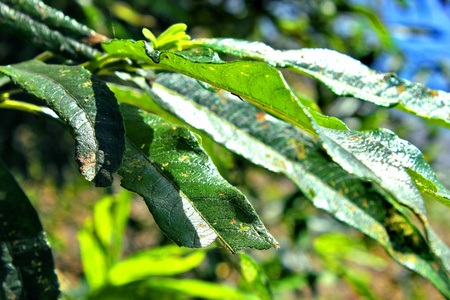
<point>26,267</point>
<point>27,24</point>
<point>281,147</point>
<point>100,238</point>
<point>198,288</point>
<point>87,106</point>
<point>55,19</point>
<point>345,76</point>
<point>93,256</point>
<point>171,288</point>
<point>257,82</point>
<point>253,276</point>
<point>382,157</point>
<point>395,164</point>
<point>110,218</point>
<point>161,261</point>
<point>188,198</point>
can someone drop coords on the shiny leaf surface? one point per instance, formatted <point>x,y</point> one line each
<point>190,201</point>
<point>283,148</point>
<point>87,106</point>
<point>257,82</point>
<point>346,76</point>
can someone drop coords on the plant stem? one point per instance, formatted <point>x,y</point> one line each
<point>28,107</point>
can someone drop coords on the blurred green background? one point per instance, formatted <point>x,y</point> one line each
<point>319,257</point>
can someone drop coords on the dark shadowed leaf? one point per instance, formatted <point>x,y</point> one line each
<point>346,76</point>
<point>87,106</point>
<point>26,267</point>
<point>283,148</point>
<point>55,19</point>
<point>190,201</point>
<point>27,25</point>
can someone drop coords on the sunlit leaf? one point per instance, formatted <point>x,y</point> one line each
<point>26,266</point>
<point>171,288</point>
<point>93,256</point>
<point>253,275</point>
<point>382,157</point>
<point>160,261</point>
<point>87,106</point>
<point>346,76</point>
<point>188,198</point>
<point>283,148</point>
<point>257,82</point>
<point>110,218</point>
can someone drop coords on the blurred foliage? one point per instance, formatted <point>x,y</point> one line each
<point>323,259</point>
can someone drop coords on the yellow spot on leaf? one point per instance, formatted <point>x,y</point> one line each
<point>243,228</point>
<point>400,89</point>
<point>299,148</point>
<point>185,175</point>
<point>184,157</point>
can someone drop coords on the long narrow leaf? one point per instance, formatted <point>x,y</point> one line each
<point>87,106</point>
<point>281,147</point>
<point>26,266</point>
<point>345,76</point>
<point>382,157</point>
<point>257,82</point>
<point>161,261</point>
<point>41,35</point>
<point>171,288</point>
<point>55,19</point>
<point>188,198</point>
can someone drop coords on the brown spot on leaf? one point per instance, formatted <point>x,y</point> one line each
<point>365,203</point>
<point>233,221</point>
<point>87,163</point>
<point>94,38</point>
<point>261,116</point>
